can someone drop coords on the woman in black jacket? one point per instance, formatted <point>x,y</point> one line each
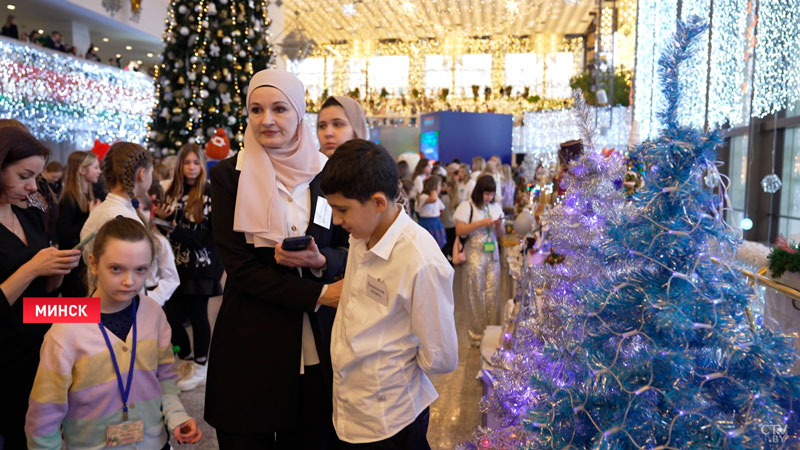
<point>29,267</point>
<point>269,375</point>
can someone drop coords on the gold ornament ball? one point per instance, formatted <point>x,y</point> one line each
<point>212,109</point>
<point>176,110</point>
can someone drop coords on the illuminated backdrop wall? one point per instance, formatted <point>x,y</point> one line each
<point>750,65</point>
<point>61,98</point>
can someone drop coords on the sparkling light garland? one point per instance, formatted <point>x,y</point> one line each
<point>65,99</point>
<point>777,71</point>
<point>729,78</point>
<point>738,37</point>
<point>542,132</point>
<point>694,76</point>
<point>656,20</point>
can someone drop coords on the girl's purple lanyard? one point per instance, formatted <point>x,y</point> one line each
<point>124,392</point>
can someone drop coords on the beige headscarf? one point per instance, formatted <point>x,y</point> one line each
<point>355,115</point>
<point>260,213</point>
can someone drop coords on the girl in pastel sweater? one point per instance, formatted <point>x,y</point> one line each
<point>112,383</point>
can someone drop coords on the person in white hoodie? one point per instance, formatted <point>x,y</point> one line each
<point>128,171</point>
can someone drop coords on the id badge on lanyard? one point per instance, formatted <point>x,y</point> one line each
<point>125,433</point>
<point>488,244</point>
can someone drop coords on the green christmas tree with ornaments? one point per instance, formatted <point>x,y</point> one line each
<point>212,48</point>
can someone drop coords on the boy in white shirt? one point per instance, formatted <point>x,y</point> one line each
<point>395,318</point>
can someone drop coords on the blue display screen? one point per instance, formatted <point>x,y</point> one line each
<point>429,144</point>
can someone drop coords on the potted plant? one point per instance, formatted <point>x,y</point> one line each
<point>784,262</point>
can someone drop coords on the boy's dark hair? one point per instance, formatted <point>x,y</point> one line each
<point>359,169</point>
<point>484,184</point>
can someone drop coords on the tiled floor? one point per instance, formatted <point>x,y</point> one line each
<point>454,415</point>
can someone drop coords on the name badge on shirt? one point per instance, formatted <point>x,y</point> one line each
<point>322,215</point>
<point>126,433</point>
<point>376,290</point>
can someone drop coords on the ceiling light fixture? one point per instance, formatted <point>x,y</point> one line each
<point>128,47</point>
<point>118,56</point>
<point>105,39</point>
<point>11,7</point>
<point>513,6</point>
<point>149,55</point>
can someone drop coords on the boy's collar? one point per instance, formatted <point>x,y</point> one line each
<point>383,248</point>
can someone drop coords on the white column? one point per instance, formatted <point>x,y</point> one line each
<point>277,32</point>
<point>80,37</point>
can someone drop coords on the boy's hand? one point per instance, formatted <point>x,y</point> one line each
<point>187,432</point>
<point>310,257</point>
<point>332,294</point>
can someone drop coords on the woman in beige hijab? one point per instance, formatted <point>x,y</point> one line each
<point>340,119</point>
<point>269,375</point>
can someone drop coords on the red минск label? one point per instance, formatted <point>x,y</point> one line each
<point>61,310</point>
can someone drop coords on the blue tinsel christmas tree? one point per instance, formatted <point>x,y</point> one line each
<point>592,199</point>
<point>664,352</point>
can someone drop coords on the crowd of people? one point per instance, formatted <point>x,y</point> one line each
<point>55,41</point>
<point>337,264</point>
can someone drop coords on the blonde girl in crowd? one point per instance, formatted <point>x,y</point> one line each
<point>340,119</point>
<point>478,166</point>
<point>464,183</point>
<point>480,220</point>
<point>509,189</point>
<point>77,201</point>
<point>493,168</point>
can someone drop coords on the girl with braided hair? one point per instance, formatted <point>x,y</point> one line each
<point>128,171</point>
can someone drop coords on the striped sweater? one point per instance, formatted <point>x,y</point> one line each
<point>76,385</point>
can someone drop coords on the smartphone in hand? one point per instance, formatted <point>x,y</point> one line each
<point>85,241</point>
<point>296,244</point>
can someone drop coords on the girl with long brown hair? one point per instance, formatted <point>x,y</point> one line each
<point>188,208</point>
<point>77,201</point>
